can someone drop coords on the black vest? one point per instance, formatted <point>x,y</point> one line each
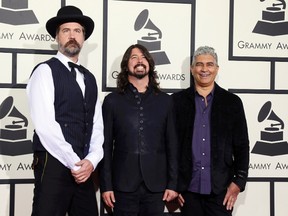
<point>73,112</point>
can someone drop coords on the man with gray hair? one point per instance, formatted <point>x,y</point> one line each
<point>213,138</point>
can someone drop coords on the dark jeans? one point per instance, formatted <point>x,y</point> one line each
<point>204,205</point>
<point>56,192</point>
<point>142,202</point>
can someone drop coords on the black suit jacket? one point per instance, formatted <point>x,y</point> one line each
<point>140,142</point>
<point>229,139</point>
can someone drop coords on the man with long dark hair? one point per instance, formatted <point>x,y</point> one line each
<point>139,169</point>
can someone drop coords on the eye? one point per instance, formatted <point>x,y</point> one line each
<point>199,64</point>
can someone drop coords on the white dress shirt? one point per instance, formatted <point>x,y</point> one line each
<point>40,92</point>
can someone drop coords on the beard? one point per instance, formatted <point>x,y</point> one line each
<point>72,48</point>
<point>138,75</point>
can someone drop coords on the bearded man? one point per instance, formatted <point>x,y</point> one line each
<point>67,116</point>
<point>138,173</point>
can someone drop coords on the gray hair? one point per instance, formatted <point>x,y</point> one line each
<point>205,50</point>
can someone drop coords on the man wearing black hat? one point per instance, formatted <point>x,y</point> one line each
<point>67,116</point>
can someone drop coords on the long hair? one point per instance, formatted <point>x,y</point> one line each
<point>122,78</point>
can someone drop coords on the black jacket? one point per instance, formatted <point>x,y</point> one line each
<point>140,142</point>
<point>229,139</point>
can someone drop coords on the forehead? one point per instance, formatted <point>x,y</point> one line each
<point>136,51</point>
<point>71,25</point>
<point>205,58</point>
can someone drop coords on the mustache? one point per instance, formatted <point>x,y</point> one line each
<point>72,42</point>
<point>140,64</point>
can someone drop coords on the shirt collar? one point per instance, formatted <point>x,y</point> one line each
<point>64,59</point>
<point>133,89</point>
<point>211,93</point>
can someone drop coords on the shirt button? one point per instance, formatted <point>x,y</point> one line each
<point>141,121</point>
<point>202,168</point>
<point>141,108</point>
<point>203,139</point>
<point>141,128</point>
<point>141,114</point>
<point>203,154</point>
<point>138,102</point>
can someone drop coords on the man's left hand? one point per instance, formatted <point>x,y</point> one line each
<point>231,196</point>
<point>82,174</point>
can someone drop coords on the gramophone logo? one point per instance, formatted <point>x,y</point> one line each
<point>153,40</point>
<point>273,20</point>
<point>271,143</point>
<point>13,134</point>
<point>16,12</point>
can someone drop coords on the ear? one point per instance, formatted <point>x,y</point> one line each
<point>217,69</point>
<point>191,69</point>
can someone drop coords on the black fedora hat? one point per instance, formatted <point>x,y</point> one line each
<point>70,14</point>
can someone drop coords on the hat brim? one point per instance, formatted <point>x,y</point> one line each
<point>55,22</point>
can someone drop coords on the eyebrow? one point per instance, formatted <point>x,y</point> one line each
<point>205,62</point>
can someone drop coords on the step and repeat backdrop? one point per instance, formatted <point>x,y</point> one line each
<point>250,37</point>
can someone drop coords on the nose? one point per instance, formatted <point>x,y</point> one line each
<point>204,67</point>
<point>72,34</point>
<point>140,59</point>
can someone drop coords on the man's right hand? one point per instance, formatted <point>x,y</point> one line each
<point>108,198</point>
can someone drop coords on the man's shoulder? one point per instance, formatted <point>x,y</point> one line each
<point>183,93</point>
<point>227,99</point>
<point>52,60</point>
<point>112,96</point>
<point>44,63</point>
<point>221,92</point>
<point>162,97</point>
<point>161,94</point>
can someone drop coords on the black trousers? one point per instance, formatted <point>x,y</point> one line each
<point>56,192</point>
<point>142,202</point>
<point>204,205</point>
